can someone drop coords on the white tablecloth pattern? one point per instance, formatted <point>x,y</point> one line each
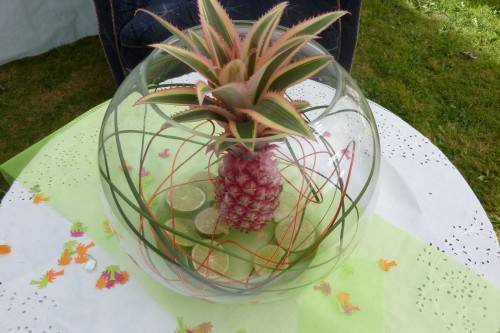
<point>420,191</point>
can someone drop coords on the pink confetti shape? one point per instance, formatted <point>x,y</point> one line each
<point>110,284</point>
<point>324,288</point>
<point>327,134</point>
<point>76,233</point>
<point>144,172</point>
<point>165,153</point>
<point>345,152</point>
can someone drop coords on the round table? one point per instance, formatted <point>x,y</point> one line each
<point>445,278</point>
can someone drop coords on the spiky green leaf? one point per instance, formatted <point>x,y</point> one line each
<point>244,130</point>
<point>267,34</point>
<point>197,62</point>
<point>213,14</point>
<point>233,71</point>
<point>259,80</point>
<point>265,26</point>
<point>234,95</point>
<point>251,61</point>
<point>183,37</point>
<point>200,44</point>
<point>202,90</point>
<point>276,112</point>
<point>221,144</point>
<point>220,48</point>
<point>312,26</point>
<point>204,112</point>
<point>297,72</point>
<point>176,96</point>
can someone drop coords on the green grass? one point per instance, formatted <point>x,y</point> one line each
<point>410,58</point>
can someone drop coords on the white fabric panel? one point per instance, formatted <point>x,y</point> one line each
<point>31,27</point>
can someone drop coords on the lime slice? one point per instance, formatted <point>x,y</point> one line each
<point>268,258</point>
<point>304,234</point>
<point>182,226</point>
<point>186,198</point>
<point>209,262</point>
<point>203,181</point>
<point>208,222</point>
<point>282,212</point>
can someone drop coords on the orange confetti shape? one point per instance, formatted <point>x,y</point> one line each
<point>345,302</point>
<point>100,283</point>
<point>81,259</point>
<point>82,249</point>
<point>51,274</point>
<point>386,265</point>
<point>65,258</point>
<point>125,277</point>
<point>4,249</point>
<point>39,198</point>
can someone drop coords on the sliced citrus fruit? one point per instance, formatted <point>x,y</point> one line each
<point>268,259</point>
<point>209,222</point>
<point>303,234</point>
<point>282,212</point>
<point>183,226</point>
<point>209,262</point>
<point>185,198</point>
<point>204,181</point>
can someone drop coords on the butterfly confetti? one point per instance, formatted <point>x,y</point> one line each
<point>111,277</point>
<point>386,265</point>
<point>345,303</point>
<point>327,134</point>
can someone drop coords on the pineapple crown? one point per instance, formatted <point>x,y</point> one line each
<point>245,79</point>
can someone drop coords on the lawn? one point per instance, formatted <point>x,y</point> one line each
<point>436,64</point>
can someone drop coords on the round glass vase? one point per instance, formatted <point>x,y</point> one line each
<point>159,178</point>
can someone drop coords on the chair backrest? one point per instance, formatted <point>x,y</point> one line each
<point>126,36</point>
